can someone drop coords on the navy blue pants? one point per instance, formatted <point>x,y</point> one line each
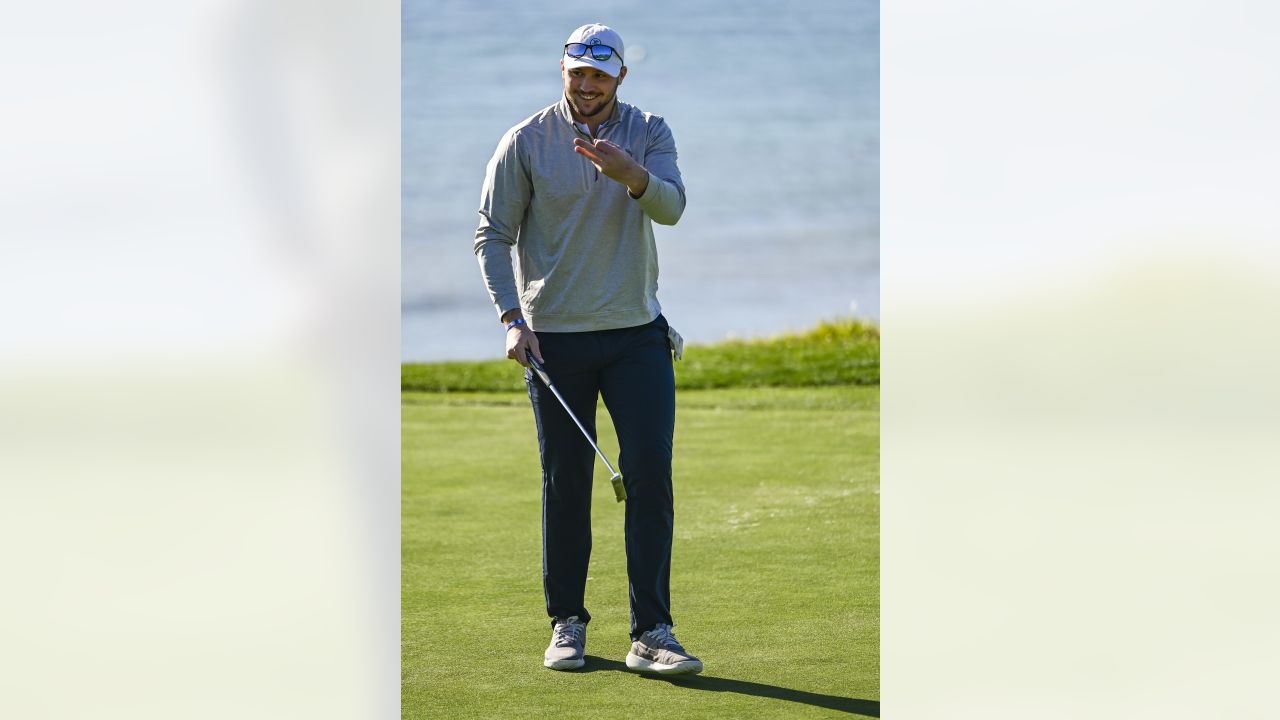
<point>631,369</point>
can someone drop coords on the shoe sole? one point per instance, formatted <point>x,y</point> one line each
<point>564,664</point>
<point>688,667</point>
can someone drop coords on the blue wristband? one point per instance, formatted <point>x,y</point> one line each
<point>515,322</point>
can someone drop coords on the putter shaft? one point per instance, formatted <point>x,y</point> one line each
<point>619,491</point>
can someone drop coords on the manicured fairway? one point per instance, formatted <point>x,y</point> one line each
<point>775,578</point>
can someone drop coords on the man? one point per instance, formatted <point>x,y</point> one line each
<point>575,189</point>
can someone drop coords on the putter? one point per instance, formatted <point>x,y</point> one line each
<point>619,491</point>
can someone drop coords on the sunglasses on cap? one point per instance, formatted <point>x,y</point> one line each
<point>598,52</point>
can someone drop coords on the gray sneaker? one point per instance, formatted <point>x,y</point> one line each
<point>568,642</point>
<point>657,651</point>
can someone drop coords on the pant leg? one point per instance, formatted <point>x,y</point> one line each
<point>568,462</point>
<point>638,386</point>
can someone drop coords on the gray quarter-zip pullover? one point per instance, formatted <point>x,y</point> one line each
<point>585,254</point>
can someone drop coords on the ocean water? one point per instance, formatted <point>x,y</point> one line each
<point>775,111</point>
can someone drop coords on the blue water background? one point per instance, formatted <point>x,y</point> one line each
<point>775,111</point>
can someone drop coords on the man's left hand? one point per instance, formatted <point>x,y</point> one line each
<point>615,163</point>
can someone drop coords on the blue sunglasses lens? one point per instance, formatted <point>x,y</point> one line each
<point>598,52</point>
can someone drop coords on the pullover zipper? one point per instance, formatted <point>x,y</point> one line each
<point>595,174</point>
<point>586,184</point>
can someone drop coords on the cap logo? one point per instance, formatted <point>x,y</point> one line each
<point>595,41</point>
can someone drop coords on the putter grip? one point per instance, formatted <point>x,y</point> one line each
<point>537,368</point>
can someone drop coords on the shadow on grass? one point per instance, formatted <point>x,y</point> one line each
<point>867,708</point>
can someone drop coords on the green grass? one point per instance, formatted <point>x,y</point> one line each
<point>839,352</point>
<point>775,576</point>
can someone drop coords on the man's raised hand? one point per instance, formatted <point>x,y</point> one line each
<point>615,163</point>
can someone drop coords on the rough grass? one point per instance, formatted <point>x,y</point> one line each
<point>775,577</point>
<point>838,352</point>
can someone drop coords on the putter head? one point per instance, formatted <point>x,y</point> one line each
<point>619,491</point>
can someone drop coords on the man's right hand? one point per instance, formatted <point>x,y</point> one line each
<point>520,341</point>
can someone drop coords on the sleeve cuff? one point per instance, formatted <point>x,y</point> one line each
<point>648,189</point>
<point>504,307</point>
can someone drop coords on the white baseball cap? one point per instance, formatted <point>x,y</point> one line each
<point>585,38</point>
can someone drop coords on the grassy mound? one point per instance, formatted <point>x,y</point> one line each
<point>838,352</point>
